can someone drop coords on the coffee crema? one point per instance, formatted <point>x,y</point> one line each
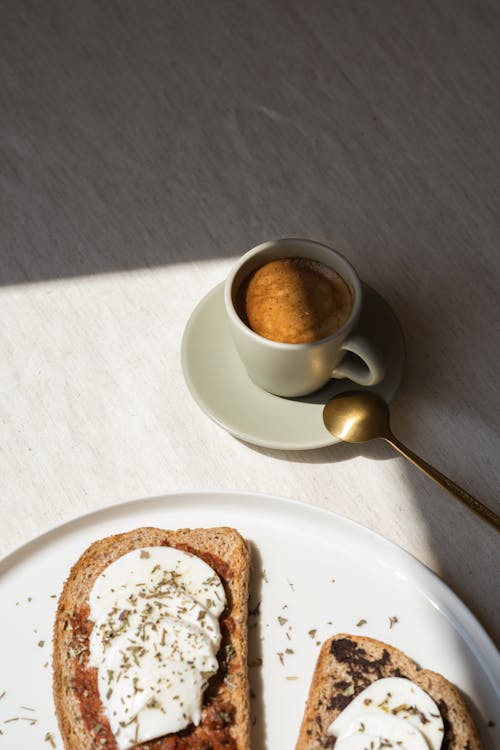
<point>294,301</point>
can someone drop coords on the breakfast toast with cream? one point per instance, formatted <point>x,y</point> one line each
<point>150,643</point>
<point>368,694</point>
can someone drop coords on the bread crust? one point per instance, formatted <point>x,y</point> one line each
<point>223,546</point>
<point>347,664</point>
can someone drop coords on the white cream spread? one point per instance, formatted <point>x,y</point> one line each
<point>154,641</point>
<point>390,713</point>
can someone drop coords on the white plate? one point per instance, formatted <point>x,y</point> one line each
<point>322,572</point>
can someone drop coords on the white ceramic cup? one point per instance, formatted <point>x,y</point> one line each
<point>298,369</point>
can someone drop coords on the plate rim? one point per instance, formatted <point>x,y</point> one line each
<point>436,590</point>
<point>246,437</point>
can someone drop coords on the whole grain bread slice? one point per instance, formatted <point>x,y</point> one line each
<point>225,718</point>
<point>347,664</point>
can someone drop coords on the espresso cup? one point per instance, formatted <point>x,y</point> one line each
<point>297,369</point>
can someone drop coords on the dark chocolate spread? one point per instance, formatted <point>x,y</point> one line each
<point>363,671</point>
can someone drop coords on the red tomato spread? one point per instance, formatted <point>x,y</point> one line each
<point>218,715</point>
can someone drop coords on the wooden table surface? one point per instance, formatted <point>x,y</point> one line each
<point>145,146</point>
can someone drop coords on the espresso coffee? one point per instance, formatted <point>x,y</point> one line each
<point>294,301</point>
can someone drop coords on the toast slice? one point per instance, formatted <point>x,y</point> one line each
<point>347,664</point>
<point>225,717</point>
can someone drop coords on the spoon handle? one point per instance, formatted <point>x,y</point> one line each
<point>453,488</point>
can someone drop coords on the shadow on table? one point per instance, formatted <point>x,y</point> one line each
<point>376,451</point>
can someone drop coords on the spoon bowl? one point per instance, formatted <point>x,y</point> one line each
<point>359,416</point>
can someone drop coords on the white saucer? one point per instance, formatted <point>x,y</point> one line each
<point>222,389</point>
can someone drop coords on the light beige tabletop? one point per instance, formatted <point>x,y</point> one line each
<point>145,146</point>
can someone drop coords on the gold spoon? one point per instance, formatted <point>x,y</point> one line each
<point>359,416</point>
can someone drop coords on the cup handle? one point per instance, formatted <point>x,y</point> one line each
<point>368,372</point>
